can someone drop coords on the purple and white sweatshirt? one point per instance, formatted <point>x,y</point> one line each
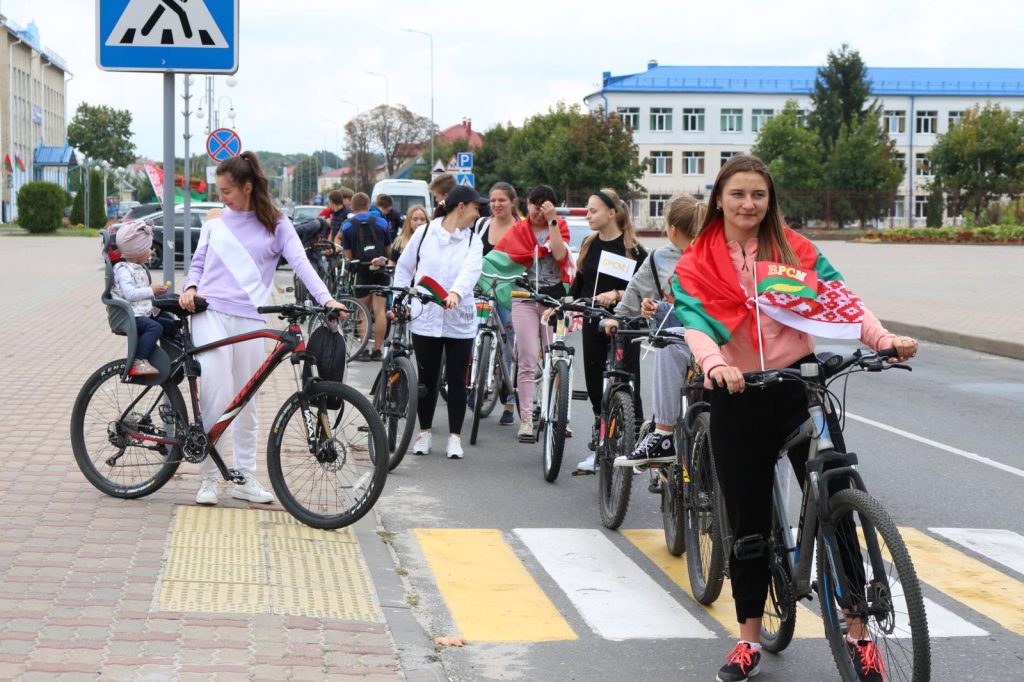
<point>234,263</point>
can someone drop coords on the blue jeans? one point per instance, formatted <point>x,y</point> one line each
<point>150,329</point>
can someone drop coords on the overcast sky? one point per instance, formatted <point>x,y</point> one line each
<point>497,62</point>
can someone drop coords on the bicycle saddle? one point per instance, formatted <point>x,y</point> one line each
<point>171,305</point>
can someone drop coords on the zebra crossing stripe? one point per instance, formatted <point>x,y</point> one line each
<point>969,581</point>
<point>1002,546</point>
<point>615,597</point>
<point>490,594</point>
<point>652,543</point>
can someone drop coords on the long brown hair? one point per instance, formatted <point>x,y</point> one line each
<point>510,192</point>
<point>406,234</point>
<point>246,168</point>
<point>771,242</point>
<point>622,219</point>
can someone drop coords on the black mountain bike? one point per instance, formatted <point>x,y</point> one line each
<point>326,455</point>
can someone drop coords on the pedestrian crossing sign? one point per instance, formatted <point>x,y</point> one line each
<point>190,36</point>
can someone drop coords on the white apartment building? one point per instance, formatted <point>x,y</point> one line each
<point>33,113</point>
<point>688,120</point>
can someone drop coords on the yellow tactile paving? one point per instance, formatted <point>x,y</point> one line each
<point>652,543</point>
<point>256,561</point>
<point>967,580</point>
<point>491,595</point>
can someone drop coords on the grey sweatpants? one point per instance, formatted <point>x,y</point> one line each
<point>670,365</point>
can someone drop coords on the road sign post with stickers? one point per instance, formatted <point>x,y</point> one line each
<point>462,166</point>
<point>169,37</point>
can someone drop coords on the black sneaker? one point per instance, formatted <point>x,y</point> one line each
<point>655,447</point>
<point>376,355</point>
<point>741,664</point>
<point>867,660</point>
<point>507,418</point>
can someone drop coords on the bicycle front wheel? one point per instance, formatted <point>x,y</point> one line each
<point>673,519</point>
<point>105,412</point>
<point>327,455</point>
<point>615,483</point>
<point>554,429</point>
<point>478,392</point>
<point>395,401</point>
<point>878,596</point>
<point>705,556</point>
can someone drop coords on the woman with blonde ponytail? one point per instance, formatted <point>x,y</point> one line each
<point>608,216</point>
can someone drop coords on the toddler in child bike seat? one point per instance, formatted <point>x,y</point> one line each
<point>132,283</point>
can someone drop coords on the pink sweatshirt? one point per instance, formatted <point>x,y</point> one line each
<point>782,345</point>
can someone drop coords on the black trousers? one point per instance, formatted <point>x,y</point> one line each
<point>457,353</point>
<point>595,360</point>
<point>747,431</point>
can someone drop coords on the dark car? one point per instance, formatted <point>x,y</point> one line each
<point>197,215</point>
<point>141,211</point>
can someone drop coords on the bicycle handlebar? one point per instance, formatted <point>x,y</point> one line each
<point>833,366</point>
<point>294,311</point>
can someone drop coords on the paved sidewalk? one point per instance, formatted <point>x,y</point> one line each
<point>96,588</point>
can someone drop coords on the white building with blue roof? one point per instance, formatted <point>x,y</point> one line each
<point>688,120</point>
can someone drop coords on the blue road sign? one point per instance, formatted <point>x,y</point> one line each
<point>467,179</point>
<point>464,160</point>
<point>223,143</point>
<point>191,36</point>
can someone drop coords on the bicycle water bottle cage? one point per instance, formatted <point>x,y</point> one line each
<point>751,547</point>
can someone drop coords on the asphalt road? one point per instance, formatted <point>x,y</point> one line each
<point>965,402</point>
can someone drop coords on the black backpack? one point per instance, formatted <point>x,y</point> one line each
<point>370,243</point>
<point>328,349</point>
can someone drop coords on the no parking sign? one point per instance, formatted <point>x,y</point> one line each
<point>222,144</point>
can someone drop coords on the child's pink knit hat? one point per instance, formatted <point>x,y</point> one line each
<point>135,239</point>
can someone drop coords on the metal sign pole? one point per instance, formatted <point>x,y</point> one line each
<point>187,233</point>
<point>168,236</point>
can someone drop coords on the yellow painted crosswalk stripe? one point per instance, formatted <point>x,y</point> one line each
<point>964,578</point>
<point>490,594</point>
<point>652,543</point>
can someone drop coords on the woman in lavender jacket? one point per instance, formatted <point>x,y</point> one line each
<point>233,270</point>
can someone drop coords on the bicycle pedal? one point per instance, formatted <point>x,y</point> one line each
<point>583,472</point>
<point>236,476</point>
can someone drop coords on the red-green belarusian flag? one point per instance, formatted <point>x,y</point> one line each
<point>514,254</point>
<point>431,287</point>
<point>709,296</point>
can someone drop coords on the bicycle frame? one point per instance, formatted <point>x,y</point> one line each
<point>499,344</point>
<point>556,351</point>
<point>616,377</point>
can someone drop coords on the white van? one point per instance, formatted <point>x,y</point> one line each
<point>404,193</point>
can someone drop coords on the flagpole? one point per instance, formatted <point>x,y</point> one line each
<point>757,309</point>
<point>658,331</point>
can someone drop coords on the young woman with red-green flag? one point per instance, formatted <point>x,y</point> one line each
<point>715,289</point>
<point>443,260</point>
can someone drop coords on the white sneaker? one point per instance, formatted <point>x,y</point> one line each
<point>525,434</point>
<point>587,464</point>
<point>207,492</point>
<point>454,450</point>
<point>421,446</point>
<point>252,491</point>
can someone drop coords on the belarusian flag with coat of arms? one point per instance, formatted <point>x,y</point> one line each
<point>798,298</point>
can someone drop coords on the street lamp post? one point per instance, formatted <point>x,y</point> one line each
<point>106,169</point>
<point>431,37</point>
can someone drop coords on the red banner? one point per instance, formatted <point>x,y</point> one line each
<point>156,178</point>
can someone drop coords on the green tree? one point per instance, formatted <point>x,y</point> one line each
<point>41,206</point>
<point>103,133</point>
<point>491,163</point>
<point>574,152</point>
<point>97,207</point>
<point>981,158</point>
<point>304,180</point>
<point>794,156</point>
<point>841,92</point>
<point>863,168</point>
<point>933,211</point>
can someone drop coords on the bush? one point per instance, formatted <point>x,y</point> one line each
<point>996,234</point>
<point>41,206</point>
<point>97,209</point>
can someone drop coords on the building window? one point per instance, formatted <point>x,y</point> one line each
<point>895,122</point>
<point>801,117</point>
<point>921,206</point>
<point>693,163</point>
<point>732,120</point>
<point>656,204</point>
<point>693,120</point>
<point>630,117</point>
<point>661,118</point>
<point>955,118</point>
<point>899,207</point>
<point>927,122</point>
<point>758,117</point>
<point>901,159</point>
<point>725,156</point>
<point>922,166</point>
<point>660,163</point>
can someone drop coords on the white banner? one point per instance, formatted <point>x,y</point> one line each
<point>616,266</point>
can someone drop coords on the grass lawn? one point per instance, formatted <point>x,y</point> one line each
<point>15,231</point>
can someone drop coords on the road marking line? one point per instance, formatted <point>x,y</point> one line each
<point>1002,546</point>
<point>941,446</point>
<point>652,543</point>
<point>616,598</point>
<point>490,594</point>
<point>975,584</point>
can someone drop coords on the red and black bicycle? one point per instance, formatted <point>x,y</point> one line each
<point>327,455</point>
